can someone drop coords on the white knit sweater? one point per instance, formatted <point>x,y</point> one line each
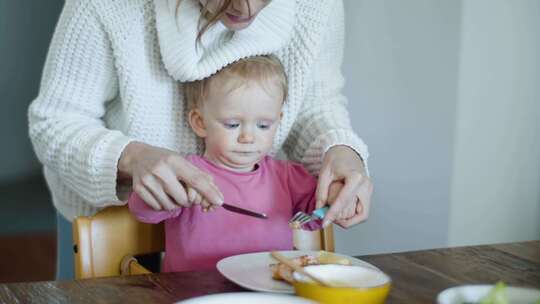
<point>114,72</point>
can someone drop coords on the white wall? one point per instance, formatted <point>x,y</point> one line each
<point>401,60</point>
<point>495,189</point>
<point>446,94</point>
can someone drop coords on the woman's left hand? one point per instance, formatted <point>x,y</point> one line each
<point>342,164</point>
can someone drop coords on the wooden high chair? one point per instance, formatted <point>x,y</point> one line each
<point>105,244</point>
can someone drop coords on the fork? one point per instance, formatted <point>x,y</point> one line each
<point>303,218</point>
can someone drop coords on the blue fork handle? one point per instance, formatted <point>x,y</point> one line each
<point>321,212</point>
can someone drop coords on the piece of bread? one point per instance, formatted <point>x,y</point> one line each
<point>283,272</point>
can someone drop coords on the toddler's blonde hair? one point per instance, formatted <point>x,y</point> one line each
<point>263,69</point>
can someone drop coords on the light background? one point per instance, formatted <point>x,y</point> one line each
<point>445,93</point>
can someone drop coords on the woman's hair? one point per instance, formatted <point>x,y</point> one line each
<point>266,70</point>
<point>207,19</point>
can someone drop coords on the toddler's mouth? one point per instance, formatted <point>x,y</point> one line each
<point>249,154</point>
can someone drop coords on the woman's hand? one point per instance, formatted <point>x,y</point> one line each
<point>353,193</point>
<point>349,210</point>
<point>159,176</point>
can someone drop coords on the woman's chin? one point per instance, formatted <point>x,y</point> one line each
<point>236,26</point>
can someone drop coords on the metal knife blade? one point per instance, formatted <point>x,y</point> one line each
<point>244,211</point>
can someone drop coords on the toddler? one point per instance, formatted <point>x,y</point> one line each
<point>236,112</point>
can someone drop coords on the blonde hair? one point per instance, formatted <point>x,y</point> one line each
<point>263,69</point>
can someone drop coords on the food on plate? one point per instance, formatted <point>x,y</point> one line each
<point>497,295</point>
<point>283,272</point>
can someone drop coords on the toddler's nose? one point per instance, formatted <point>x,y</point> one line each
<point>246,137</point>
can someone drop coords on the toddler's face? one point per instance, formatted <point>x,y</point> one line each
<point>240,122</point>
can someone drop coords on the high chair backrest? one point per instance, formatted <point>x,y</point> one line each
<point>105,242</point>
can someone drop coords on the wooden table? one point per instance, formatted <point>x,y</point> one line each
<point>417,278</point>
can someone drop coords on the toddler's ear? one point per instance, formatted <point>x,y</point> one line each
<point>196,122</point>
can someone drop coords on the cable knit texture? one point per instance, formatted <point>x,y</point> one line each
<point>114,70</point>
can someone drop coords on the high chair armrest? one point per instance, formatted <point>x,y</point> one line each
<point>130,266</point>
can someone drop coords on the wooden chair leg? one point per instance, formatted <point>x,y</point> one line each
<point>327,239</point>
<point>130,266</point>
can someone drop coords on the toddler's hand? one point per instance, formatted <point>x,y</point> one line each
<point>195,198</point>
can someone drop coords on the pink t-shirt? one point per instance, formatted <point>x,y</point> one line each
<point>196,240</point>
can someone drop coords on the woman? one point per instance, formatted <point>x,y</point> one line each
<point>110,112</point>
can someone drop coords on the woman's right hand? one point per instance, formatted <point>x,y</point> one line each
<point>162,178</point>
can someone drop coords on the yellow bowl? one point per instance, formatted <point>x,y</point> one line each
<point>353,284</point>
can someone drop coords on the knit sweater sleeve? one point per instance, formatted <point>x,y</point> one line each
<point>65,120</point>
<point>324,120</point>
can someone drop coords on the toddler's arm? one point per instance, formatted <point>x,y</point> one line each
<point>146,214</point>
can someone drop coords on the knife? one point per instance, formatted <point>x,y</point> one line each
<point>244,211</point>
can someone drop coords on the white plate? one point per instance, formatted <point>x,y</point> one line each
<point>473,293</point>
<point>248,298</point>
<point>252,270</point>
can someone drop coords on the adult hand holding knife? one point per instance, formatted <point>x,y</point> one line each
<point>141,161</point>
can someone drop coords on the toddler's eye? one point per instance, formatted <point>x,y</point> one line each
<point>231,125</point>
<point>264,125</point>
